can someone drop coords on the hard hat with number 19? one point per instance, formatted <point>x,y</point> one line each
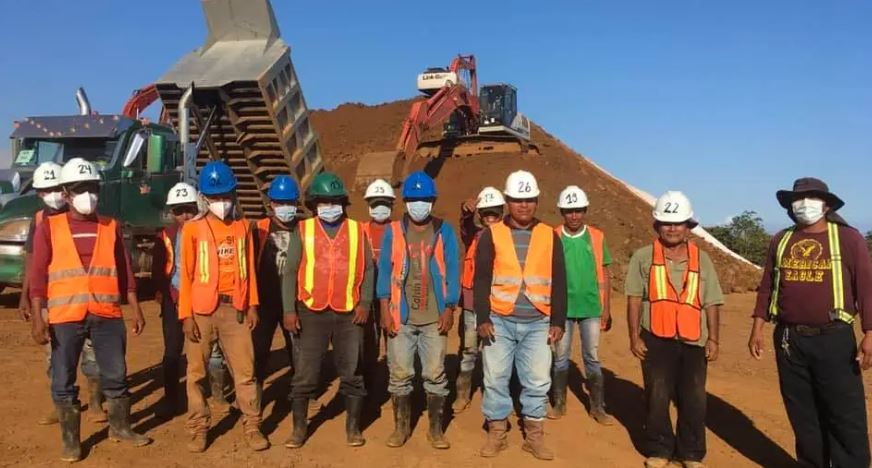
<point>521,185</point>
<point>46,176</point>
<point>572,197</point>
<point>79,170</point>
<point>379,188</point>
<point>490,197</point>
<point>181,193</point>
<point>673,207</point>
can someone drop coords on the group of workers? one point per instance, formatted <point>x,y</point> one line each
<point>225,285</point>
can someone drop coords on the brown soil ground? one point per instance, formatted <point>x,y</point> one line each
<point>747,425</point>
<point>351,130</point>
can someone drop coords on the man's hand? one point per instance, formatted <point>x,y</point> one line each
<point>555,334</point>
<point>158,297</point>
<point>864,352</point>
<point>138,321</point>
<point>755,344</point>
<point>468,207</point>
<point>712,349</point>
<point>446,320</point>
<point>251,318</point>
<point>291,322</point>
<point>24,307</point>
<point>606,321</point>
<point>39,331</point>
<point>638,348</point>
<point>387,323</point>
<point>192,331</point>
<point>486,331</point>
<point>361,315</point>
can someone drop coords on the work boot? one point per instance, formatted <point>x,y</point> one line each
<point>49,418</point>
<point>95,404</point>
<point>558,393</point>
<point>402,420</point>
<point>464,391</point>
<point>534,442</point>
<point>435,407</point>
<point>497,439</point>
<point>197,444</point>
<point>656,462</point>
<point>70,417</point>
<point>300,412</point>
<point>168,407</point>
<point>353,406</point>
<point>119,423</point>
<point>595,385</point>
<point>218,402</point>
<point>256,440</point>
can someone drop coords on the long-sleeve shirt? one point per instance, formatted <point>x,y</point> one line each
<point>227,257</point>
<point>161,281</point>
<point>84,233</point>
<point>805,291</point>
<point>484,270</point>
<point>291,270</point>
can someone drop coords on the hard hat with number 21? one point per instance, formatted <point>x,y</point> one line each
<point>521,185</point>
<point>47,175</point>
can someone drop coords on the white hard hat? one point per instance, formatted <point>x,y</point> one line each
<point>673,207</point>
<point>79,170</point>
<point>47,175</point>
<point>379,188</point>
<point>572,197</point>
<point>490,197</point>
<point>521,185</point>
<point>182,193</point>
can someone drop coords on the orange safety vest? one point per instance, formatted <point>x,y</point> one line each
<point>375,246</point>
<point>508,277</point>
<point>596,241</point>
<point>469,263</point>
<point>673,315</point>
<point>204,290</point>
<point>73,291</point>
<point>331,270</point>
<point>399,249</point>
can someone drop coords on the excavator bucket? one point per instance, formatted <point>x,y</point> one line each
<point>247,106</point>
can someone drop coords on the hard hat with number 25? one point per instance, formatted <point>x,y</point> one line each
<point>521,185</point>
<point>489,197</point>
<point>572,197</point>
<point>673,207</point>
<point>181,193</point>
<point>379,188</point>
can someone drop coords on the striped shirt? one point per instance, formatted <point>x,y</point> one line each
<point>524,309</point>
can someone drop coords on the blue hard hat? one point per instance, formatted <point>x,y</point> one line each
<point>283,188</point>
<point>419,185</point>
<point>216,178</point>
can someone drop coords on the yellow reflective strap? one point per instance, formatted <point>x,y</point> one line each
<point>660,279</point>
<point>309,250</point>
<point>241,258</point>
<point>692,287</point>
<point>353,239</point>
<point>836,265</point>
<point>776,280</point>
<point>203,257</point>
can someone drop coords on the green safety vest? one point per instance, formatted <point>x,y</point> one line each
<point>838,312</point>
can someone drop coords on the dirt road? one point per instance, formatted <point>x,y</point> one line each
<point>747,425</point>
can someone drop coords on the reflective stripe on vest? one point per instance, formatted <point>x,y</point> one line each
<point>508,278</point>
<point>673,315</point>
<point>331,270</point>
<point>839,312</point>
<point>73,292</point>
<point>400,267</point>
<point>204,290</point>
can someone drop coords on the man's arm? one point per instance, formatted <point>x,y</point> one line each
<point>861,276</point>
<point>634,314</point>
<point>558,284</point>
<point>253,296</point>
<point>764,290</point>
<point>484,273</point>
<point>188,262</point>
<point>367,286</point>
<point>383,282</point>
<point>289,274</point>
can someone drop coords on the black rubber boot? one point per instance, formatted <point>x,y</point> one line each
<point>558,394</point>
<point>464,391</point>
<point>435,408</point>
<point>119,423</point>
<point>70,419</point>
<point>300,412</point>
<point>595,386</point>
<point>95,404</point>
<point>402,420</point>
<point>169,406</point>
<point>353,406</point>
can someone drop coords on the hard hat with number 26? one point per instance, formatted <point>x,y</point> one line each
<point>572,197</point>
<point>521,185</point>
<point>673,207</point>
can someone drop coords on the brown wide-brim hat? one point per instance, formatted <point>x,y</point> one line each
<point>809,187</point>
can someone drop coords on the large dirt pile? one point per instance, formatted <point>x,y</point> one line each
<point>352,130</point>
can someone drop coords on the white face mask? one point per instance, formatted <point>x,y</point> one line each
<point>380,213</point>
<point>808,211</point>
<point>285,213</point>
<point>220,208</point>
<point>329,213</point>
<point>85,203</point>
<point>54,200</point>
<point>419,210</point>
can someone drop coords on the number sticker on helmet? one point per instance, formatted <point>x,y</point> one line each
<point>571,197</point>
<point>85,169</point>
<point>524,187</point>
<point>50,175</point>
<point>181,192</point>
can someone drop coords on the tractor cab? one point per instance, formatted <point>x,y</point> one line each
<point>499,111</point>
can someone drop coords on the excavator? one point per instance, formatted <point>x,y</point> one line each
<point>474,122</point>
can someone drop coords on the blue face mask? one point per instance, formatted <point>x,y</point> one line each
<point>380,213</point>
<point>419,210</point>
<point>285,213</point>
<point>330,213</point>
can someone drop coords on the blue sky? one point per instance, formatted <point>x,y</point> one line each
<point>727,101</point>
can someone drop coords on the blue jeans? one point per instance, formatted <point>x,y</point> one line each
<point>428,344</point>
<point>589,329</point>
<point>469,349</point>
<point>88,363</point>
<point>109,338</point>
<point>525,346</point>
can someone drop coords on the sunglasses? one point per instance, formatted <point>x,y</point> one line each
<point>184,209</point>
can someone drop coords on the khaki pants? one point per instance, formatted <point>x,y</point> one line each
<point>235,341</point>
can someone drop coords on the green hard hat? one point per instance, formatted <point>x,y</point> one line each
<point>326,185</point>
